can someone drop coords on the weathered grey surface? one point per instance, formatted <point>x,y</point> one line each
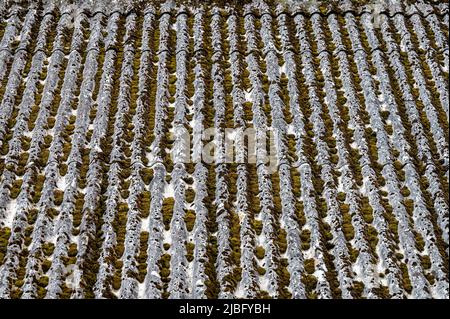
<point>101,195</point>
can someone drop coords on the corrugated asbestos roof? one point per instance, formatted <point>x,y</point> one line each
<point>353,203</point>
